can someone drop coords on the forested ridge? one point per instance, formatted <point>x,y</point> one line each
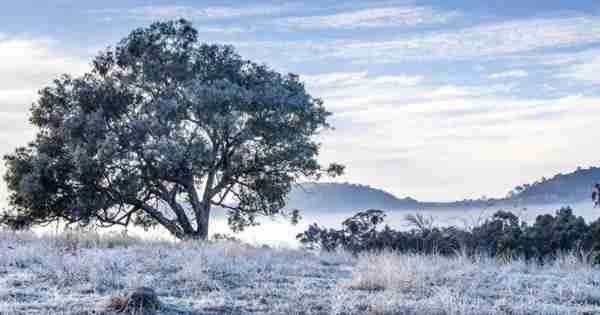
<point>567,188</point>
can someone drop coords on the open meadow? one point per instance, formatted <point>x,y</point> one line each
<point>88,273</point>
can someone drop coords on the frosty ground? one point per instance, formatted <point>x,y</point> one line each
<point>79,273</point>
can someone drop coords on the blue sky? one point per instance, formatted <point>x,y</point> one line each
<point>438,100</point>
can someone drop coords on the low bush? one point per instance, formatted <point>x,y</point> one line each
<point>503,235</point>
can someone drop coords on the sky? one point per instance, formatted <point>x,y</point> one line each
<point>437,100</point>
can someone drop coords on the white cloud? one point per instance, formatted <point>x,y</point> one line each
<point>509,74</point>
<point>26,65</point>
<point>560,58</point>
<point>355,91</point>
<point>344,91</point>
<point>487,40</point>
<point>16,100</point>
<point>15,131</point>
<point>345,79</point>
<point>29,64</point>
<point>222,30</point>
<point>373,17</point>
<point>426,137</point>
<point>486,138</point>
<point>335,78</point>
<point>586,71</point>
<point>153,12</point>
<point>398,79</point>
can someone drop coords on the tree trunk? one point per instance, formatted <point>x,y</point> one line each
<point>203,222</point>
<point>201,232</point>
<point>201,208</point>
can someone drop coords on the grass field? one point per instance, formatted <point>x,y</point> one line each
<point>80,273</point>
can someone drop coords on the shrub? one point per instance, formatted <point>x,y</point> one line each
<point>503,235</point>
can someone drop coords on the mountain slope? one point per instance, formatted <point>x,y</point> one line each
<point>567,188</point>
<point>571,187</point>
<point>342,197</point>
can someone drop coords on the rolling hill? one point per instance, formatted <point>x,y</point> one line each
<point>344,196</point>
<point>567,188</point>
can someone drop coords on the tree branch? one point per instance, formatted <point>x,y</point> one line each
<point>158,216</point>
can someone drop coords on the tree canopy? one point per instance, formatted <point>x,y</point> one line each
<point>162,129</point>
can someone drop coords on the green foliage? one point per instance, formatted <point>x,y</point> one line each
<point>502,235</point>
<point>162,129</point>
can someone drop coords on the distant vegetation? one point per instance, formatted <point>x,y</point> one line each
<point>503,235</point>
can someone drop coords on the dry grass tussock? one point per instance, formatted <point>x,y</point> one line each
<point>432,284</point>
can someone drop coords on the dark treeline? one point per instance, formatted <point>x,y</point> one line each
<point>503,235</point>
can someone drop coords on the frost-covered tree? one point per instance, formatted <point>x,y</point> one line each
<point>162,129</point>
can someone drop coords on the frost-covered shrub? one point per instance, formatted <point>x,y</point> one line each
<point>560,233</point>
<point>500,235</point>
<point>503,235</point>
<point>361,233</point>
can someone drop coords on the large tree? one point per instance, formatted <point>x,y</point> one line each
<point>162,129</point>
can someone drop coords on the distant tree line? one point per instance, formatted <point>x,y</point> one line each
<point>503,235</point>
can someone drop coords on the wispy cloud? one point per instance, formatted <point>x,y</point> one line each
<point>398,79</point>
<point>347,93</point>
<point>509,74</point>
<point>346,79</point>
<point>373,17</point>
<point>427,111</point>
<point>338,79</point>
<point>27,64</point>
<point>154,12</point>
<point>586,71</point>
<point>352,91</point>
<point>487,40</point>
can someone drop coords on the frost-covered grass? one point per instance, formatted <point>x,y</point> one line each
<point>79,274</point>
<point>418,284</point>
